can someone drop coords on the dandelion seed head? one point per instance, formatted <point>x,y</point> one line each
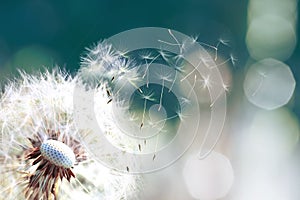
<point>42,155</point>
<point>58,153</point>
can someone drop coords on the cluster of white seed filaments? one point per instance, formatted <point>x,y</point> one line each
<point>31,105</point>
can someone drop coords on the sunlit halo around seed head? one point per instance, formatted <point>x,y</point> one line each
<point>152,99</point>
<point>58,153</point>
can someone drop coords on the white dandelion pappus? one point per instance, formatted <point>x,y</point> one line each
<point>150,72</point>
<point>103,62</point>
<point>41,153</point>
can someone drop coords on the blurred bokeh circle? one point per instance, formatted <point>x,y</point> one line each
<point>269,84</point>
<point>209,178</point>
<point>271,36</point>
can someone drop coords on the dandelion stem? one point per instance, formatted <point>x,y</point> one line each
<point>144,111</point>
<point>222,63</point>
<point>134,85</point>
<point>163,120</point>
<point>173,36</point>
<point>156,145</point>
<point>161,94</point>
<point>262,77</point>
<point>194,84</point>
<point>81,185</point>
<point>191,71</point>
<point>173,82</point>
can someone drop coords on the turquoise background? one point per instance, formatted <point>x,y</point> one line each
<point>38,33</point>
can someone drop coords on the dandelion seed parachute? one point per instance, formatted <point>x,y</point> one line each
<point>137,110</point>
<point>41,153</point>
<point>157,83</point>
<point>102,63</point>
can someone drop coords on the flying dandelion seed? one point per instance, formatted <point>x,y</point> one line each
<point>41,153</point>
<point>103,63</point>
<point>151,71</point>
